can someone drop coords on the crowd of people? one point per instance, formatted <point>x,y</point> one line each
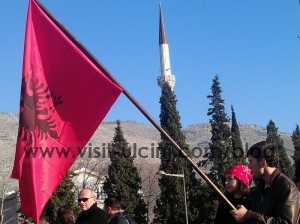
<point>259,192</point>
<point>114,211</point>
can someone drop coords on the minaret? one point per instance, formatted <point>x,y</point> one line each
<point>165,66</point>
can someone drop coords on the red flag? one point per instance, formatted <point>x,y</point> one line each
<point>64,98</point>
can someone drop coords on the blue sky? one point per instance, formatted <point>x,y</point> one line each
<point>251,45</point>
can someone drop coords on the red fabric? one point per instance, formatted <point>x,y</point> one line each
<point>64,98</point>
<point>241,172</point>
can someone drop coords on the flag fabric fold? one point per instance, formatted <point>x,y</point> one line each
<point>64,98</point>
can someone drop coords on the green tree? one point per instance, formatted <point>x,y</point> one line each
<point>221,155</point>
<point>63,195</point>
<point>296,142</point>
<point>170,206</point>
<point>237,145</point>
<point>202,199</point>
<point>284,164</point>
<point>123,178</point>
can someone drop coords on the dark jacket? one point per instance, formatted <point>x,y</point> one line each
<point>93,215</point>
<point>118,218</point>
<point>223,216</point>
<point>129,218</point>
<point>276,203</point>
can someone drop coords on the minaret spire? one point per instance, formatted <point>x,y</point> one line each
<point>165,67</point>
<point>162,32</point>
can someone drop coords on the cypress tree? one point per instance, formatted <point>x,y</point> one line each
<point>284,164</point>
<point>202,200</point>
<point>220,156</point>
<point>237,145</point>
<point>296,143</point>
<point>296,157</point>
<point>63,195</point>
<point>170,206</point>
<point>123,178</point>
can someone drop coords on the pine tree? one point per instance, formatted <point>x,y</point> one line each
<point>202,201</point>
<point>296,156</point>
<point>296,143</point>
<point>237,145</point>
<point>63,195</point>
<point>284,165</point>
<point>220,156</point>
<point>170,206</point>
<point>123,178</point>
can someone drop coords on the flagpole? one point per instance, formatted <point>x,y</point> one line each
<point>181,152</point>
<point>134,101</point>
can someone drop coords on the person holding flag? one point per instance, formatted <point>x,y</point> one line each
<point>275,199</point>
<point>237,181</point>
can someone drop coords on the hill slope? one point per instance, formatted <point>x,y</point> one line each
<point>140,136</point>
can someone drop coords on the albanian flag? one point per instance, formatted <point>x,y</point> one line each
<point>65,95</point>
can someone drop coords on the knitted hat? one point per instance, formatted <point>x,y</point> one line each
<point>241,172</point>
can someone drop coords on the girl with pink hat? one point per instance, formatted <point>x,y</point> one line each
<point>237,180</point>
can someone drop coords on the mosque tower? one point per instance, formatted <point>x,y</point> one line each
<point>165,66</point>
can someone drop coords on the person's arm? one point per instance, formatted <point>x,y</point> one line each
<point>240,213</point>
<point>286,209</point>
<point>287,206</point>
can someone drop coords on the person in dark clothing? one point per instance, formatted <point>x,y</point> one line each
<point>237,181</point>
<point>275,199</point>
<point>90,214</point>
<point>112,206</point>
<point>129,217</point>
<point>123,206</point>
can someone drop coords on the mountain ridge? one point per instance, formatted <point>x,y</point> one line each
<point>143,134</point>
<point>138,135</point>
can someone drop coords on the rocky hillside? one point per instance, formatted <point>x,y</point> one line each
<point>142,138</point>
